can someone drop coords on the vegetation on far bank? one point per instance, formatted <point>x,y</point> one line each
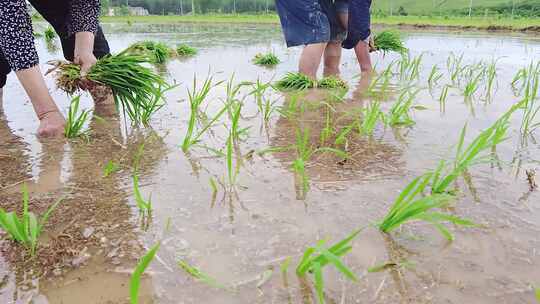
<point>494,23</point>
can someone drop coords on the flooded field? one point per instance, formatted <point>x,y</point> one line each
<point>241,233</point>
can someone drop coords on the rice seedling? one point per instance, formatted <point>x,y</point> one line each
<point>200,276</point>
<point>471,155</point>
<point>291,108</point>
<point>409,67</point>
<point>133,86</point>
<point>265,106</point>
<point>537,294</point>
<point>27,228</point>
<point>316,258</point>
<point>530,107</point>
<point>328,129</point>
<point>49,34</point>
<point>158,52</point>
<point>145,206</point>
<point>399,114</point>
<point>524,76</point>
<point>268,59</point>
<point>491,75</point>
<point>332,82</point>
<point>135,281</point>
<point>443,97</point>
<point>184,50</point>
<point>472,85</point>
<point>196,99</point>
<point>434,76</point>
<point>389,41</point>
<point>295,81</point>
<point>371,115</point>
<point>110,168</point>
<point>410,206</point>
<point>454,65</point>
<point>75,121</point>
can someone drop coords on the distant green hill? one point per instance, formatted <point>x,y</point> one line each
<point>530,8</point>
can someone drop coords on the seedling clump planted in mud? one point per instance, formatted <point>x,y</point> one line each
<point>75,121</point>
<point>295,81</point>
<point>184,50</point>
<point>316,258</point>
<point>135,282</point>
<point>269,59</point>
<point>158,52</point>
<point>26,229</point>
<point>137,89</point>
<point>332,82</point>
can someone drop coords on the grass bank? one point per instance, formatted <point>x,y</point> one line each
<point>479,23</point>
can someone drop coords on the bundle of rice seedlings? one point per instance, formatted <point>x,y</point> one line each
<point>135,88</point>
<point>158,51</point>
<point>269,59</point>
<point>295,81</point>
<point>332,82</point>
<point>184,50</point>
<point>389,41</point>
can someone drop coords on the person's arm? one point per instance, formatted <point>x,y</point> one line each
<point>83,23</point>
<point>17,45</point>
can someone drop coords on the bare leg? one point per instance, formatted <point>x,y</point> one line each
<point>332,54</point>
<point>311,59</point>
<point>362,54</point>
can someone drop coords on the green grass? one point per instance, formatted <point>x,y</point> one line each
<point>295,81</point>
<point>49,34</point>
<point>410,205</point>
<point>413,20</point>
<point>75,121</point>
<point>136,88</point>
<point>184,50</point>
<point>135,282</point>
<point>389,41</point>
<point>316,258</point>
<point>158,52</point>
<point>27,228</point>
<point>268,59</point>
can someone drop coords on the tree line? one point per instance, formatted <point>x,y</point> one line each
<point>166,7</point>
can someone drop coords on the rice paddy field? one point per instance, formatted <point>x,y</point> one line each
<point>416,184</point>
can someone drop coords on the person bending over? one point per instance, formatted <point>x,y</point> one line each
<point>75,22</point>
<point>314,24</point>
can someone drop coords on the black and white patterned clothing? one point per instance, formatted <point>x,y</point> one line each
<point>16,35</point>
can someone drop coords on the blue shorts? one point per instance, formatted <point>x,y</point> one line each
<point>309,21</point>
<point>359,28</point>
<point>342,6</point>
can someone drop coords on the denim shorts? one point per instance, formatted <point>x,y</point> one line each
<point>342,6</point>
<point>309,21</point>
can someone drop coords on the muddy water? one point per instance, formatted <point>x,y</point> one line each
<point>96,235</point>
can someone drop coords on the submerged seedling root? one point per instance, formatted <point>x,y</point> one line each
<point>269,59</point>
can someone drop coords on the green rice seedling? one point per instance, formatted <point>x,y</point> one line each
<point>110,168</point>
<point>472,85</point>
<point>399,114</point>
<point>27,228</point>
<point>537,294</point>
<point>524,76</point>
<point>454,65</point>
<point>328,129</point>
<point>196,99</point>
<point>471,155</point>
<point>200,276</point>
<point>133,86</point>
<point>49,34</point>
<point>135,282</point>
<point>295,81</point>
<point>290,109</point>
<point>443,97</point>
<point>415,67</point>
<point>184,50</point>
<point>389,41</point>
<point>372,114</point>
<point>159,52</point>
<point>75,121</point>
<point>268,59</point>
<point>409,67</point>
<point>145,206</point>
<point>411,206</point>
<point>316,258</point>
<point>332,82</point>
<point>491,75</point>
<point>530,107</point>
<point>434,76</point>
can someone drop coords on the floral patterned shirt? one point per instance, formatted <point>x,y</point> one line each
<point>16,35</point>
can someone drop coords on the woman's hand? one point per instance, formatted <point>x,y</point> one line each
<point>51,124</point>
<point>86,60</point>
<point>84,51</point>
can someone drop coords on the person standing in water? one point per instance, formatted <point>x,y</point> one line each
<point>77,24</point>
